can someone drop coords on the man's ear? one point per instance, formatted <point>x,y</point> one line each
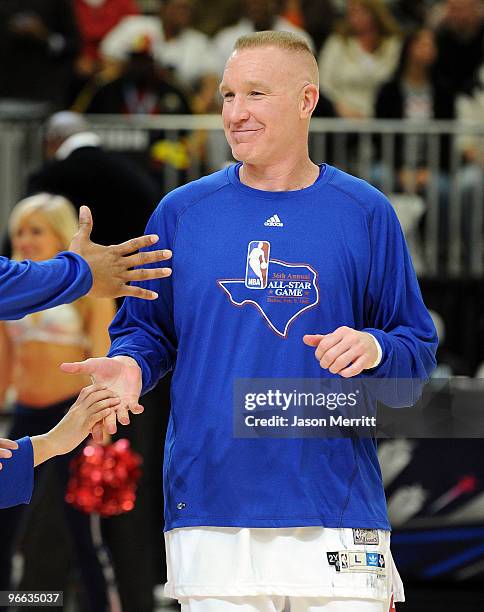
<point>309,99</point>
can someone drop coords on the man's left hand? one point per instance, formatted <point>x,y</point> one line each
<point>345,351</point>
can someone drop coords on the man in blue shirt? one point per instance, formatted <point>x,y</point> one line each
<point>282,268</point>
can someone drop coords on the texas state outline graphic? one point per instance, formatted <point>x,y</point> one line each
<point>279,316</point>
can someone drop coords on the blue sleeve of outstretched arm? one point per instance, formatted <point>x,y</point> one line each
<point>27,286</point>
<point>17,475</point>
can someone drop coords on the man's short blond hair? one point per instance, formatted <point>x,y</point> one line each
<point>269,38</point>
<point>286,41</point>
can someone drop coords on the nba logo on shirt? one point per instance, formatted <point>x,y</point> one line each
<point>257,266</point>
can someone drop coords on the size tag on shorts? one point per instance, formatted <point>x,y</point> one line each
<point>356,561</point>
<point>365,536</point>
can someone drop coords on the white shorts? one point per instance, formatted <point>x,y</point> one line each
<point>303,562</point>
<point>282,604</point>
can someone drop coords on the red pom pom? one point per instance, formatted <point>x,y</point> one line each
<point>104,479</point>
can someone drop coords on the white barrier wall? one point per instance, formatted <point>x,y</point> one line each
<point>443,221</point>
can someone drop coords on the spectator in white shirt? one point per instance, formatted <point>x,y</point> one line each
<point>470,108</point>
<point>355,61</point>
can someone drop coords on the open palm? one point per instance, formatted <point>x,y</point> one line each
<point>122,375</point>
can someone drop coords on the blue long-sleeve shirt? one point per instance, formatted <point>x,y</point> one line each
<point>26,286</point>
<point>17,475</point>
<point>253,271</point>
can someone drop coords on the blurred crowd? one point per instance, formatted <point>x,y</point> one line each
<point>387,59</point>
<point>166,56</point>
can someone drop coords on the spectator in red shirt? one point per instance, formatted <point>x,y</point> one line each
<point>94,19</point>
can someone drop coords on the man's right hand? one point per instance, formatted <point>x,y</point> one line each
<point>111,266</point>
<point>122,376</point>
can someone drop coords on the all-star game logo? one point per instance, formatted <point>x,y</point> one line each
<point>280,290</point>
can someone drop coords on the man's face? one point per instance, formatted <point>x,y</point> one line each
<point>260,104</point>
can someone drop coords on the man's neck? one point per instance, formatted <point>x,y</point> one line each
<point>283,177</point>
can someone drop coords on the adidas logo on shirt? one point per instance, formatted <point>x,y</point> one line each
<point>274,221</point>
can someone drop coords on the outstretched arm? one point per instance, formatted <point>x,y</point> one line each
<point>28,287</point>
<point>104,271</point>
<point>143,337</point>
<point>122,376</point>
<point>18,458</point>
<point>94,404</point>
